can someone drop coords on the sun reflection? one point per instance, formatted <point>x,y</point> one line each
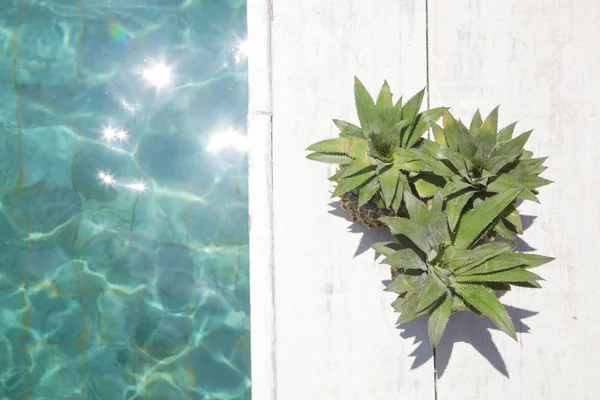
<point>106,178</point>
<point>207,290</point>
<point>109,180</point>
<point>159,75</point>
<point>109,133</point>
<point>138,186</point>
<point>243,49</point>
<point>228,138</point>
<point>128,106</point>
<point>121,135</point>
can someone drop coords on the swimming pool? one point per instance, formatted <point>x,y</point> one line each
<point>123,200</point>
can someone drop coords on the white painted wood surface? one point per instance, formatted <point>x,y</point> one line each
<point>539,60</point>
<point>260,174</point>
<point>335,330</point>
<point>332,333</point>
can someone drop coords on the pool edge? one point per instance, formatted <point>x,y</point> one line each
<point>260,193</point>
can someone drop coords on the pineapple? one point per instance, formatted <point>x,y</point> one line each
<point>380,160</point>
<point>370,213</point>
<point>439,271</point>
<point>483,161</point>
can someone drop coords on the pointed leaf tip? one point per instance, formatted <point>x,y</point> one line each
<point>365,107</point>
<point>477,221</point>
<point>488,304</point>
<point>430,294</point>
<point>438,319</point>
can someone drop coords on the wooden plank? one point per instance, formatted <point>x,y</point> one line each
<point>335,330</point>
<point>260,193</point>
<point>539,60</point>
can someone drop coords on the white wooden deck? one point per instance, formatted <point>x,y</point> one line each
<point>322,327</point>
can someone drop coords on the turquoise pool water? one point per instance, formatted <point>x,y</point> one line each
<point>123,200</point>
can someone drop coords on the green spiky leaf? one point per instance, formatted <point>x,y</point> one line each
<point>415,232</point>
<point>451,128</point>
<point>352,182</point>
<point>430,294</point>
<point>412,106</point>
<point>460,164</point>
<point>532,166</point>
<point>388,179</point>
<point>338,175</point>
<point>365,107</point>
<point>529,285</point>
<point>454,187</point>
<point>438,319</point>
<point>476,123</point>
<point>504,183</point>
<point>348,130</point>
<point>330,158</point>
<point>367,191</point>
<point>505,261</point>
<point>533,182</point>
<point>487,133</point>
<point>514,219</point>
<point>387,248</point>
<point>509,275</point>
<point>498,286</point>
<point>491,122</point>
<point>485,302</point>
<point>349,146</point>
<point>403,283</point>
<point>466,144</point>
<point>475,222</point>
<point>417,210</point>
<point>384,99</point>
<point>423,123</point>
<point>405,259</point>
<point>438,230</point>
<point>358,166</point>
<point>506,133</point>
<point>427,185</point>
<point>399,194</point>
<point>455,207</point>
<point>504,229</point>
<point>438,134</point>
<point>463,260</point>
<point>507,152</point>
<point>408,310</point>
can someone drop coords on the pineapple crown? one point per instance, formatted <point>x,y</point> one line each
<point>446,271</point>
<point>445,252</point>
<point>376,156</point>
<point>483,161</point>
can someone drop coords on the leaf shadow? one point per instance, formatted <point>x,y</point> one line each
<point>464,327</point>
<point>369,236</point>
<point>522,245</point>
<point>527,221</point>
<point>467,327</point>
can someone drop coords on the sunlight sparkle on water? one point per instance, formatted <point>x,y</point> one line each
<point>121,135</point>
<point>106,178</point>
<point>109,133</point>
<point>139,186</point>
<point>228,138</point>
<point>243,49</point>
<point>128,106</point>
<point>159,75</point>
